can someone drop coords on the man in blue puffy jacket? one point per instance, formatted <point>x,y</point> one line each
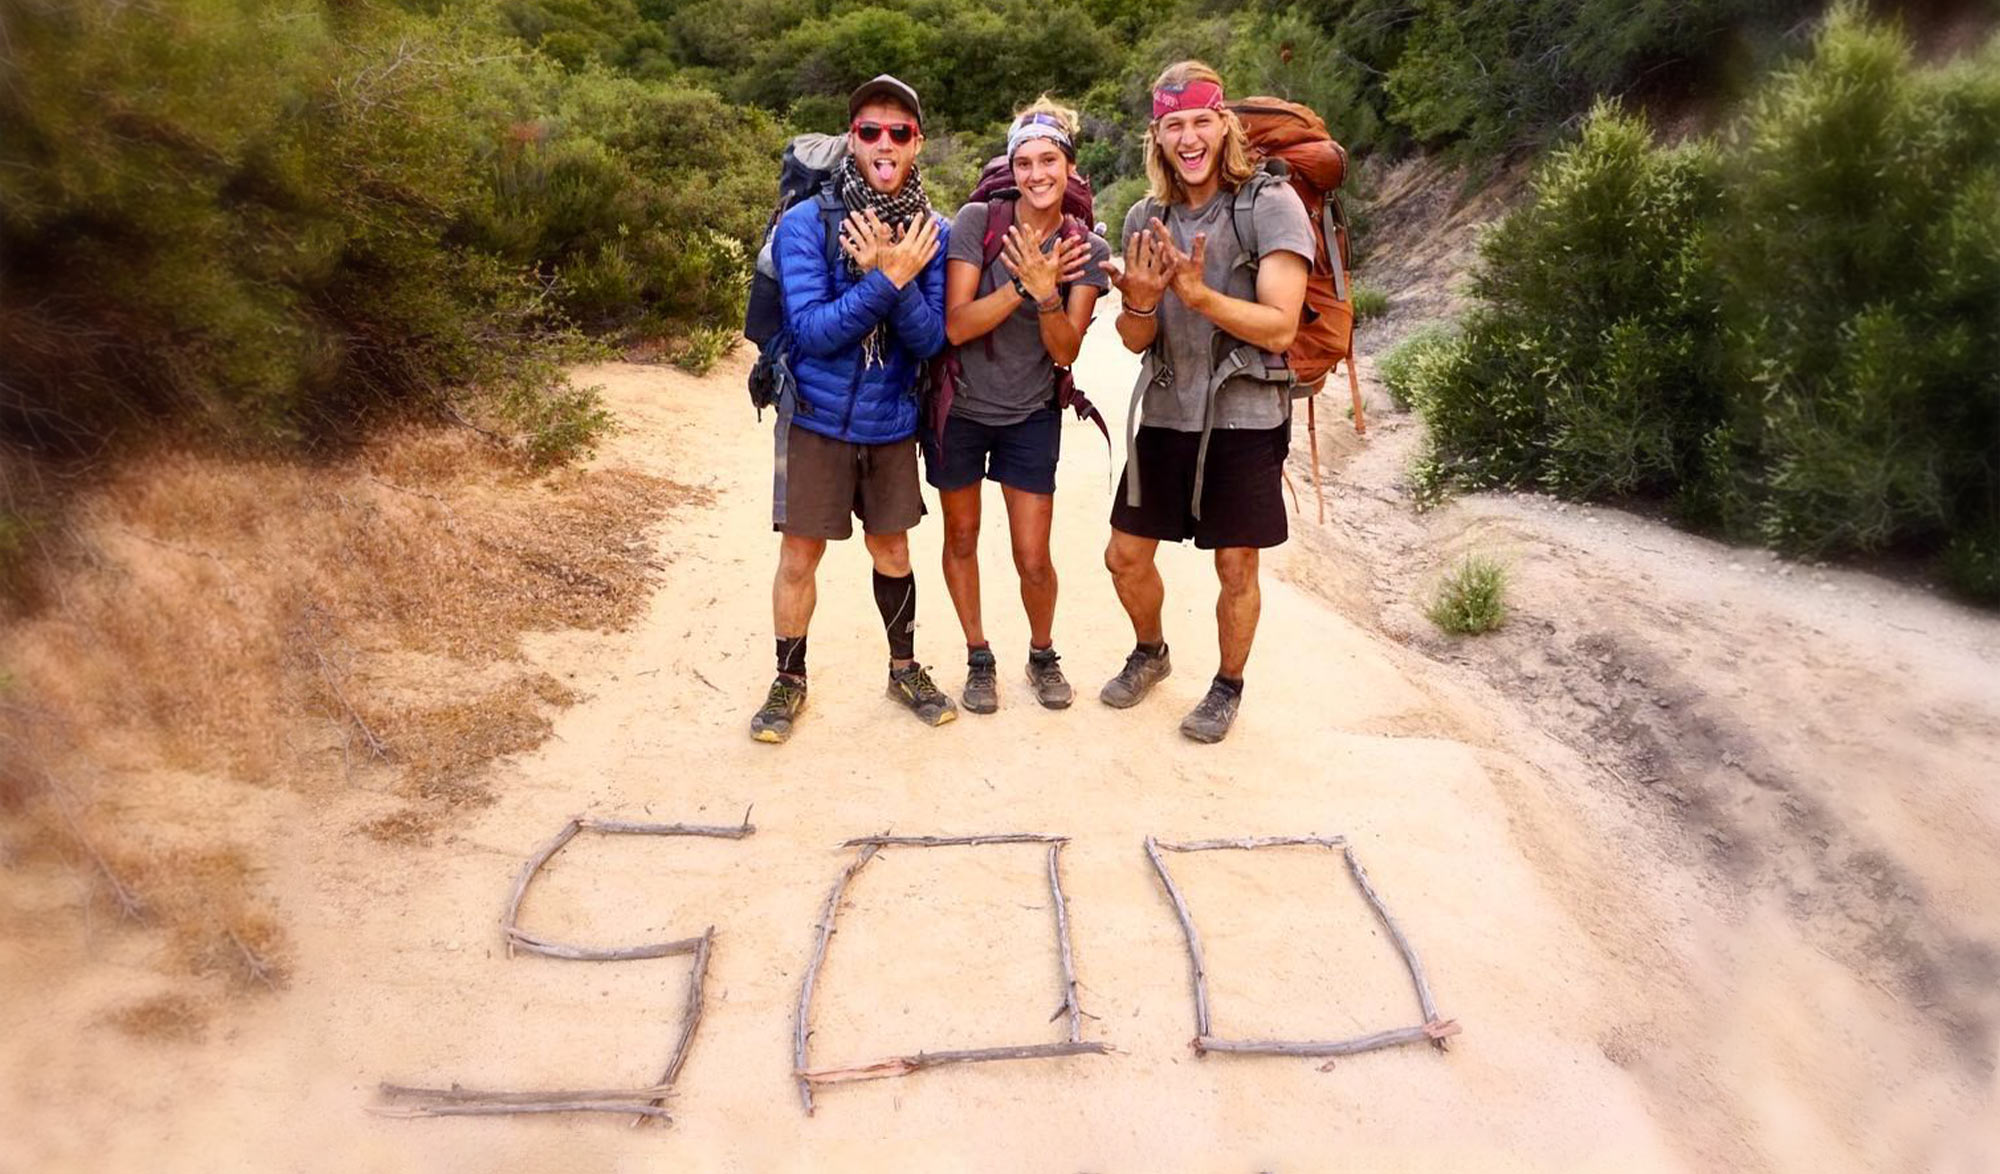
<point>862,318</point>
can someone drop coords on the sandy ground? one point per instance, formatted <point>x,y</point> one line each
<point>1790,966</point>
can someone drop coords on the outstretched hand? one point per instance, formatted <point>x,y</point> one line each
<point>1185,269</point>
<point>1043,272</point>
<point>865,238</point>
<point>902,261</point>
<point>1143,276</point>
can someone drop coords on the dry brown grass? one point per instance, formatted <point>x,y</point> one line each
<point>230,617</point>
<point>171,1016</point>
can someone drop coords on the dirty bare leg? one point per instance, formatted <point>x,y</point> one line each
<point>1237,607</point>
<point>796,589</point>
<point>1129,558</point>
<point>1028,521</point>
<point>961,556</point>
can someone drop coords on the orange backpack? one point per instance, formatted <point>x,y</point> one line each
<point>1314,165</point>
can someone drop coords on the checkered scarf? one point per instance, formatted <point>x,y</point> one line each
<point>898,210</point>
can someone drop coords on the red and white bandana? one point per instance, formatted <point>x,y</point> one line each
<point>1195,95</point>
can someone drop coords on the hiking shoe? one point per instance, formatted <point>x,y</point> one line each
<point>913,687</point>
<point>1142,671</point>
<point>982,681</point>
<point>1209,721</point>
<point>1051,688</point>
<point>773,723</point>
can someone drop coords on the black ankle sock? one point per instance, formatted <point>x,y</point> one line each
<point>1233,684</point>
<point>896,599</point>
<point>1153,649</point>
<point>792,655</point>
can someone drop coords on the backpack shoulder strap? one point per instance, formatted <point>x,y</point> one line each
<point>1243,210</point>
<point>999,218</point>
<point>832,214</point>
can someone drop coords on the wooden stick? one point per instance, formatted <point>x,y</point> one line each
<point>375,745</point>
<point>950,841</point>
<point>802,1029</point>
<point>1062,942</point>
<point>1354,387</point>
<point>1257,842</point>
<point>690,1019</point>
<point>1429,1032</point>
<point>904,1065</point>
<point>259,969</point>
<point>508,920</point>
<point>458,1094</point>
<point>1402,943</point>
<point>533,945</point>
<point>486,1109</point>
<point>1193,939</point>
<point>619,827</point>
<point>1312,437</point>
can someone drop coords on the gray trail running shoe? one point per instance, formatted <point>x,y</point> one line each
<point>1142,671</point>
<point>914,688</point>
<point>1210,719</point>
<point>773,723</point>
<point>982,681</point>
<point>1051,688</point>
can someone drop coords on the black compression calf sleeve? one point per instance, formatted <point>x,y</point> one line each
<point>896,599</point>
<point>792,655</point>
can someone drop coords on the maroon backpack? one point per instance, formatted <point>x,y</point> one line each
<point>996,188</point>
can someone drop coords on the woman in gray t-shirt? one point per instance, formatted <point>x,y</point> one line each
<point>1017,303</point>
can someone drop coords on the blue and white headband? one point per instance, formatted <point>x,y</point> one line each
<point>1039,125</point>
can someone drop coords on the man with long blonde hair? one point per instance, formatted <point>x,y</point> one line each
<point>1213,278</point>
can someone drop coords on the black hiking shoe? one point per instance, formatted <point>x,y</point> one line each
<point>1210,719</point>
<point>982,681</point>
<point>773,723</point>
<point>913,688</point>
<point>1051,688</point>
<point>1142,671</point>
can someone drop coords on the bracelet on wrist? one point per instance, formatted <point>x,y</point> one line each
<point>1136,312</point>
<point>1051,306</point>
<point>1021,287</point>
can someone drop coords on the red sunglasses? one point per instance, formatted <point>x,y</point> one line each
<point>899,132</point>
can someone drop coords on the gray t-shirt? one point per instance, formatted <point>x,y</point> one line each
<point>1020,377</point>
<point>1188,339</point>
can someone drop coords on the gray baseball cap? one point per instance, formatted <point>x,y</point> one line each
<point>884,86</point>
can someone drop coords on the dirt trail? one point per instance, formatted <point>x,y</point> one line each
<point>1628,1002</point>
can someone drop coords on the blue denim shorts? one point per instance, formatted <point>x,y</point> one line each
<point>1021,456</point>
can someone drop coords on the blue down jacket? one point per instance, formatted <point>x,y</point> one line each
<point>828,314</point>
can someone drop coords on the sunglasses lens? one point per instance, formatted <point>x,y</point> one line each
<point>899,133</point>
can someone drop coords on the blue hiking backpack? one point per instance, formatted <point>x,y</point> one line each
<point>808,164</point>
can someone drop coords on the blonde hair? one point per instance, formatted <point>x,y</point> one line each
<point>1162,177</point>
<point>1047,105</point>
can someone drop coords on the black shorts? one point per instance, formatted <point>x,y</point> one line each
<point>1242,488</point>
<point>1020,456</point>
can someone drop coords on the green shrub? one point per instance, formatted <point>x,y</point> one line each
<point>1369,303</point>
<point>702,348</point>
<point>1471,598</point>
<point>1788,332</point>
<point>1971,567</point>
<point>1587,367</point>
<point>1410,370</point>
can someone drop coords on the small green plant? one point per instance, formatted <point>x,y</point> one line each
<point>704,347</point>
<point>1471,598</point>
<point>1369,303</point>
<point>1971,567</point>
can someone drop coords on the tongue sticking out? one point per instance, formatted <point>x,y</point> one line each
<point>884,168</point>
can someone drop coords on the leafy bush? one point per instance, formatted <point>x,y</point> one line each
<point>1588,365</point>
<point>1471,599</point>
<point>1409,370</point>
<point>1788,332</point>
<point>1369,303</point>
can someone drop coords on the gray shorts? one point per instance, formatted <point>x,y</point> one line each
<point>828,483</point>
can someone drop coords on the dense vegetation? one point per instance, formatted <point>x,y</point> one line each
<point>1788,331</point>
<point>267,222</point>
